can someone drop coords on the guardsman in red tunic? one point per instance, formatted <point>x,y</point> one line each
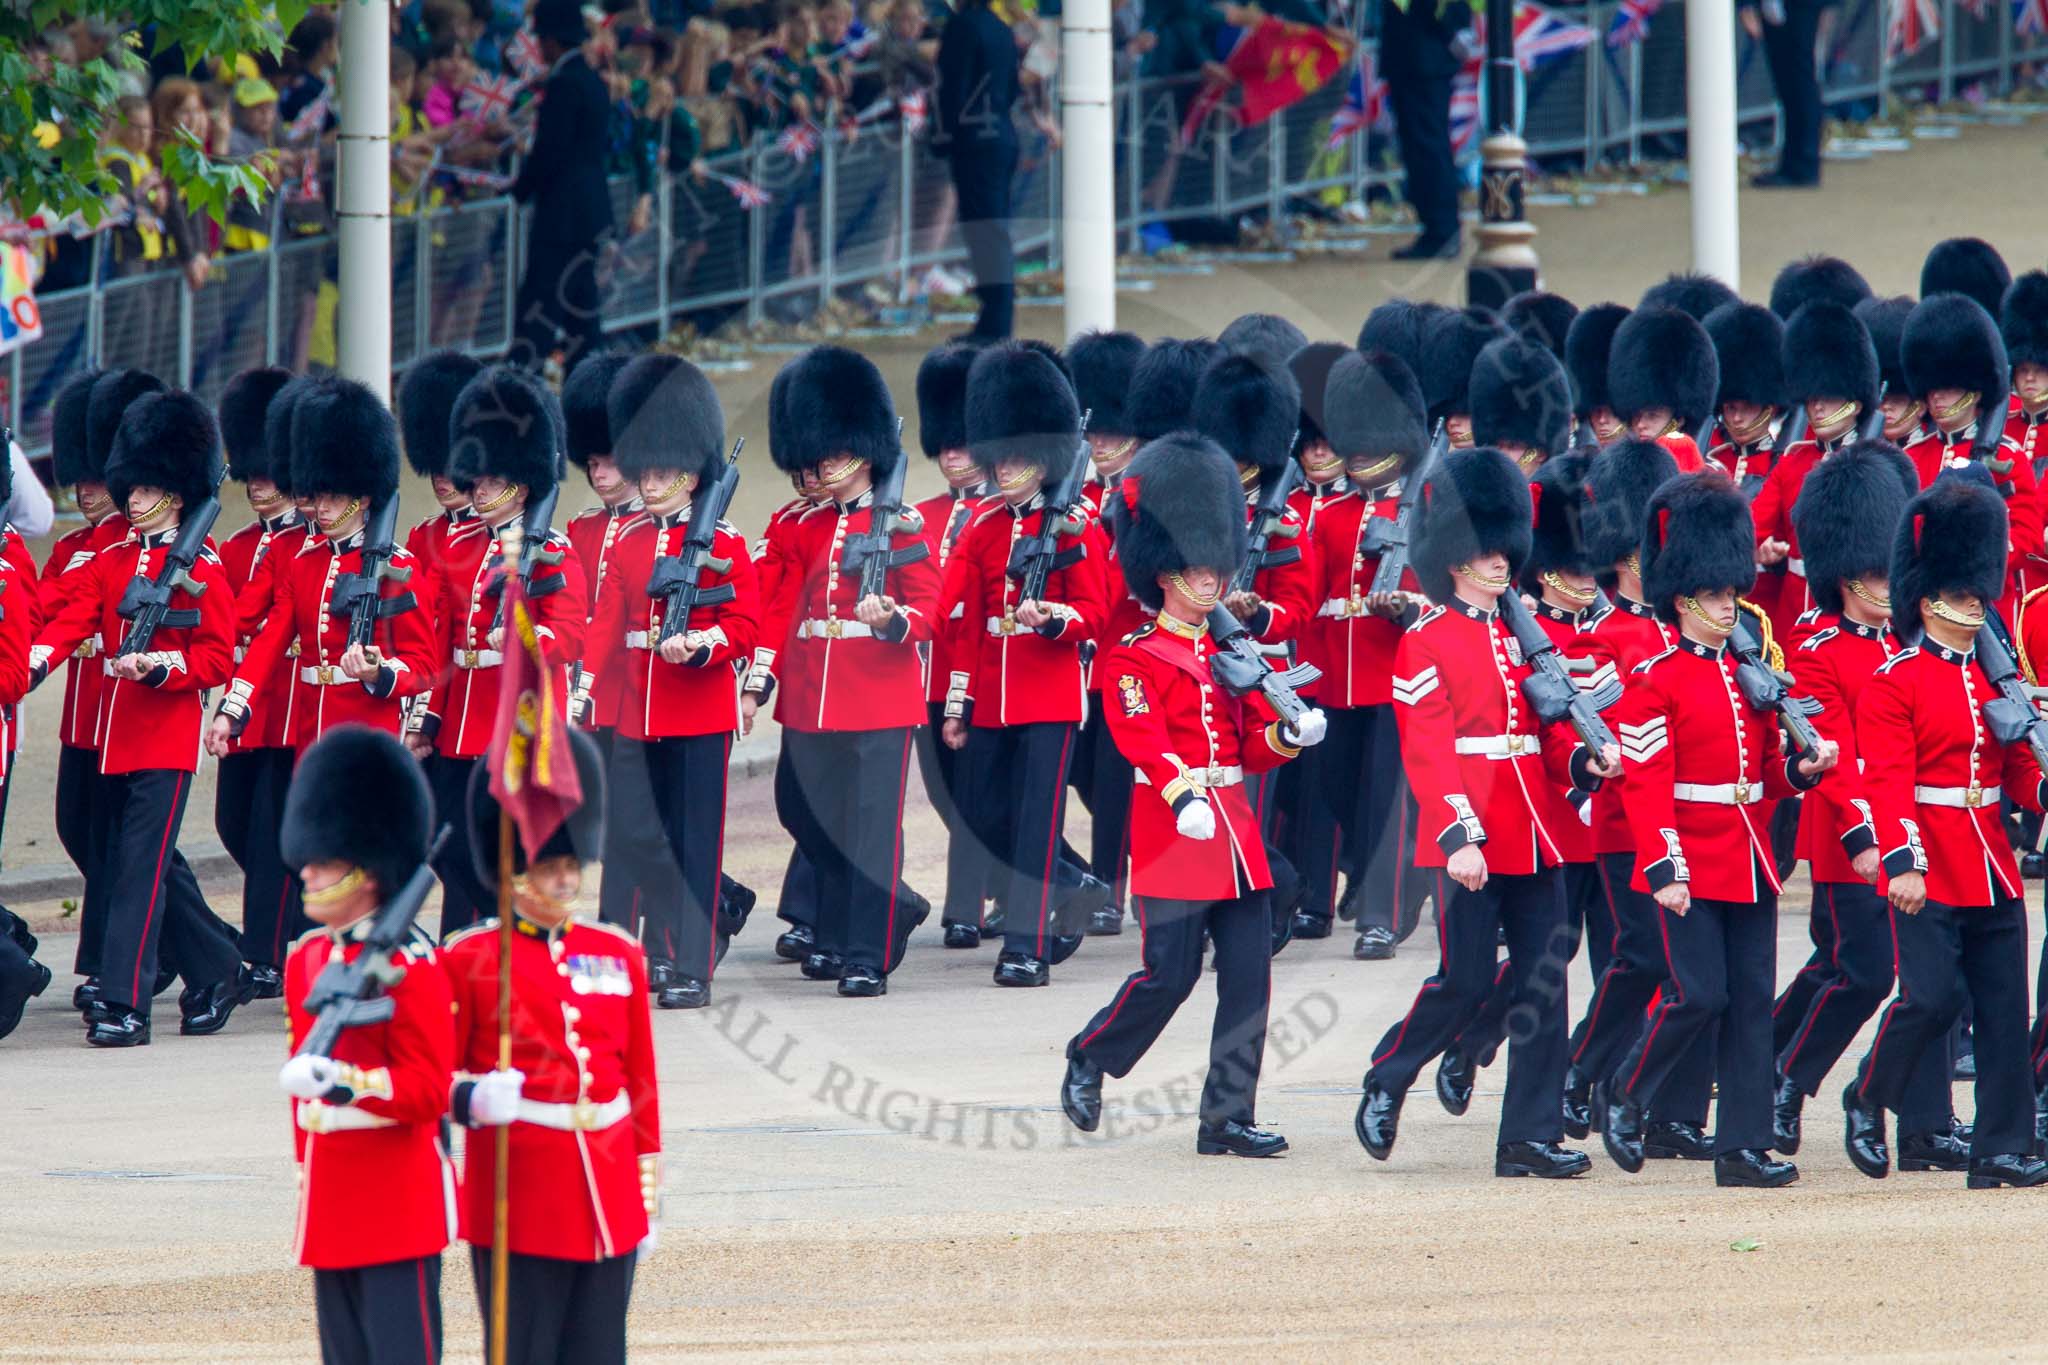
<point>2023,322</point>
<point>1198,860</point>
<point>344,458</point>
<point>165,459</point>
<point>1702,764</point>
<point>1749,349</point>
<point>1521,402</point>
<point>1935,775</point>
<point>1357,815</point>
<point>1955,361</point>
<point>1587,348</point>
<point>426,398</point>
<point>1662,379</point>
<point>1451,340</point>
<point>1130,392</point>
<point>21,976</point>
<point>951,777</point>
<point>1484,770</point>
<point>503,432</point>
<point>1904,415</point>
<point>249,790</point>
<point>680,705</point>
<point>581,1096</point>
<point>847,667</point>
<point>1847,519</point>
<point>376,1189</point>
<point>1018,687</point>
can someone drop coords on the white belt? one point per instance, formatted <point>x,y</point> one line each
<point>1343,608</point>
<point>1006,625</point>
<point>324,675</point>
<point>1797,566</point>
<point>1719,793</point>
<point>477,658</point>
<point>580,1117</point>
<point>641,639</point>
<point>241,653</point>
<point>1203,777</point>
<point>834,630</point>
<point>88,647</point>
<point>318,1116</point>
<point>1498,746</point>
<point>1963,798</point>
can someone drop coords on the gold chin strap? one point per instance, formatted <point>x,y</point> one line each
<point>262,506</point>
<point>1105,458</point>
<point>1529,460</point>
<point>1248,475</point>
<point>665,494</point>
<point>839,475</point>
<point>1841,416</point>
<point>1954,617</point>
<point>1481,579</point>
<point>343,517</point>
<point>1016,481</point>
<point>351,882</point>
<point>1634,564</point>
<point>523,886</point>
<point>151,513</point>
<point>1881,603</point>
<point>1669,427</point>
<point>1910,418</point>
<point>1553,579</point>
<point>486,508</point>
<point>1198,599</point>
<point>1758,427</point>
<point>1693,608</point>
<point>1957,408</point>
<point>1372,473</point>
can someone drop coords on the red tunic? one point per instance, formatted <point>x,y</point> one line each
<point>251,557</point>
<point>1354,648</point>
<point>832,672</point>
<point>1186,736</point>
<point>1746,466</point>
<point>20,622</point>
<point>1833,664</point>
<point>1935,451</point>
<point>659,699</point>
<point>1702,767</point>
<point>1570,822</point>
<point>1288,591</point>
<point>155,724</point>
<point>301,643</point>
<point>1616,640</point>
<point>590,1106</point>
<point>63,574</point>
<point>1482,766</point>
<point>1934,776</point>
<point>375,1183</point>
<point>945,519</point>
<point>1009,674</point>
<point>594,533</point>
<point>1783,595</point>
<point>429,543</point>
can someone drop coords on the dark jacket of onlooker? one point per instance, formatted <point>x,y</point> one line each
<point>564,174</point>
<point>977,81</point>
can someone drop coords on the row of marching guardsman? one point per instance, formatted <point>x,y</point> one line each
<point>1826,621</point>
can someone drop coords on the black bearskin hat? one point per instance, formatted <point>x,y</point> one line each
<point>1179,506</point>
<point>1966,265</point>
<point>359,797</point>
<point>1163,384</point>
<point>1828,355</point>
<point>780,439</point>
<point>1749,347</point>
<point>70,462</point>
<point>1398,327</point>
<point>1451,343</point>
<point>277,430</point>
<point>1476,502</point>
<point>1951,538</point>
<point>2023,319</point>
<point>1249,410</point>
<point>1691,292</point>
<point>1101,363</point>
<point>112,392</point>
<point>1266,337</point>
<point>505,422</point>
<point>1663,358</point>
<point>1543,318</point>
<point>1814,278</point>
<point>1020,407</point>
<point>1311,367</point>
<point>1372,406</point>
<point>243,404</point>
<point>167,440</point>
<point>1950,342</point>
<point>1520,394</point>
<point>1587,346</point>
<point>1697,537</point>
<point>942,398</point>
<point>838,405</point>
<point>581,836</point>
<point>1558,543</point>
<point>343,440</point>
<point>1885,320</point>
<point>586,414</point>
<point>1620,482</point>
<point>1848,513</point>
<point>426,398</point>
<point>664,414</point>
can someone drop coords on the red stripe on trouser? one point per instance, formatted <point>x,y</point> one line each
<point>284,895</point>
<point>1600,986</point>
<point>896,854</point>
<point>1052,843</point>
<point>1435,983</point>
<point>1116,1007</point>
<point>1813,1010</point>
<point>1664,1005</point>
<point>136,998</point>
<point>426,1315</point>
<point>1898,975</point>
<point>718,874</point>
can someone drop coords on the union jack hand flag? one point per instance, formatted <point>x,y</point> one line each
<point>1631,22</point>
<point>750,195</point>
<point>1915,23</point>
<point>1543,35</point>
<point>916,107</point>
<point>487,99</point>
<point>2030,17</point>
<point>1465,109</point>
<point>523,55</point>
<point>1365,100</point>
<point>798,141</point>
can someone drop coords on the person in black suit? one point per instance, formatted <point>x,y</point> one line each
<point>563,177</point>
<point>977,85</point>
<point>1421,48</point>
<point>1788,30</point>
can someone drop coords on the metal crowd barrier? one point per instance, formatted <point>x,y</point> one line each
<point>869,214</point>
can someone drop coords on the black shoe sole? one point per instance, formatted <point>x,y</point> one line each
<point>1746,1183</point>
<point>1025,983</point>
<point>1784,1145</point>
<point>1311,928</point>
<point>864,993</point>
<point>1454,1104</point>
<point>1658,1152</point>
<point>1211,1147</point>
<point>1376,953</point>
<point>1911,1164</point>
<point>140,1041</point>
<point>1632,1162</point>
<point>791,953</point>
<point>1576,1131</point>
<point>1515,1169</point>
<point>1377,1153</point>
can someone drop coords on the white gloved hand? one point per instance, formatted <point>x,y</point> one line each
<point>1309,730</point>
<point>494,1100</point>
<point>1196,820</point>
<point>648,1243</point>
<point>307,1077</point>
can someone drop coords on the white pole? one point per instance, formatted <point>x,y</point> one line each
<point>364,189</point>
<point>1088,179</point>
<point>1710,134</point>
